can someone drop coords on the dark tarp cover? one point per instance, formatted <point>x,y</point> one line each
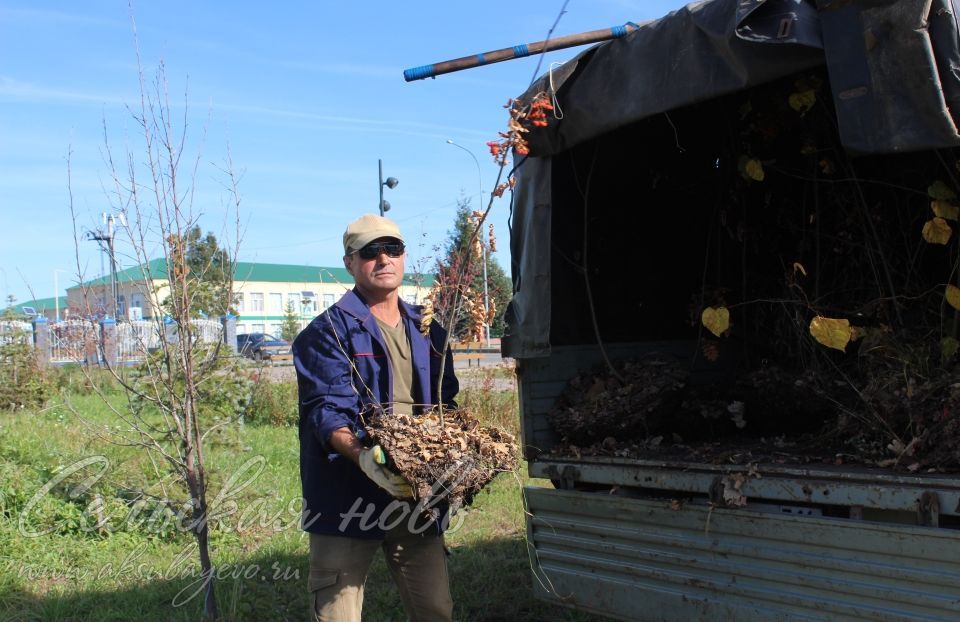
<point>894,68</point>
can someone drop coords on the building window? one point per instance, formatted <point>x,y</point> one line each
<point>121,305</point>
<point>241,328</point>
<point>275,330</point>
<point>276,304</point>
<point>238,302</point>
<point>328,300</point>
<point>308,303</point>
<point>294,302</point>
<point>256,304</point>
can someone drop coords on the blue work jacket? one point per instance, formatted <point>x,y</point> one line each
<point>342,371</point>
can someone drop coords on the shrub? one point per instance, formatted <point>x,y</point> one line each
<point>223,388</point>
<point>273,403</point>
<point>78,380</point>
<point>24,380</point>
<point>494,401</point>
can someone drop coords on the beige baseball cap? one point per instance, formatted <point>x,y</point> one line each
<point>366,229</point>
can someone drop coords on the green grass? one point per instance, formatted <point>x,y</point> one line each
<point>76,572</point>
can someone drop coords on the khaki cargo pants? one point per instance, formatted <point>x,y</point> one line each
<point>417,562</point>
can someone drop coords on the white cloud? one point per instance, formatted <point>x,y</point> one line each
<point>26,91</point>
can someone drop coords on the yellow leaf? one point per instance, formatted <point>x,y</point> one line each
<point>831,332</point>
<point>945,210</point>
<point>754,170</point>
<point>953,296</point>
<point>940,190</point>
<point>716,320</point>
<point>803,100</point>
<point>937,231</point>
<point>798,267</point>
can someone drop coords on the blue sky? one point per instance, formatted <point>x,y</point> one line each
<point>306,95</point>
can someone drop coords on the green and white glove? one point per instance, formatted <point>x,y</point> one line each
<point>372,463</point>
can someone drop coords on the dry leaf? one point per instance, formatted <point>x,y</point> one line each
<point>945,210</point>
<point>940,190</point>
<point>803,100</point>
<point>937,231</point>
<point>798,267</point>
<point>716,320</point>
<point>831,332</point>
<point>754,170</point>
<point>953,296</point>
<point>732,497</point>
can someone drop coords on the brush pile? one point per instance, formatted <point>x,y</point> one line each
<point>453,461</point>
<point>650,408</point>
<point>627,404</point>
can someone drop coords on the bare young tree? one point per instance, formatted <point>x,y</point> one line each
<point>153,185</point>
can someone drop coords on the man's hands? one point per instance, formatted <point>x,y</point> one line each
<point>371,462</point>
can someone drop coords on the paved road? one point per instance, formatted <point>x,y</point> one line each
<point>487,359</point>
<point>285,371</point>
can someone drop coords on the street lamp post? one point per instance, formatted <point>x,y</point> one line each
<point>56,293</point>
<point>391,183</point>
<point>483,248</point>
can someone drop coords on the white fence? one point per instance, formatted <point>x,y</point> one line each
<point>207,331</point>
<point>12,331</point>
<point>135,339</point>
<point>76,341</point>
<point>73,341</point>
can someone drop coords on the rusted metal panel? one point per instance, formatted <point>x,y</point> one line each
<point>640,559</point>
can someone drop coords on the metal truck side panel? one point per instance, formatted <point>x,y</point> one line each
<point>641,560</point>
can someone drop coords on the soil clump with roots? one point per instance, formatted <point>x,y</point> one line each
<point>453,457</point>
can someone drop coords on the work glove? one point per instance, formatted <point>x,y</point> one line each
<point>373,464</point>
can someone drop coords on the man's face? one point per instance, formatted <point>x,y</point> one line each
<point>381,274</point>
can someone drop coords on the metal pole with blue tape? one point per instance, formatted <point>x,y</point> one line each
<point>517,51</point>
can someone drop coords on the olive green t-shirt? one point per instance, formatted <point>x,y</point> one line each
<point>398,348</point>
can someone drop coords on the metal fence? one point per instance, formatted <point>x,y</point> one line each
<point>12,331</point>
<point>73,341</point>
<point>76,341</point>
<point>135,339</point>
<point>207,331</point>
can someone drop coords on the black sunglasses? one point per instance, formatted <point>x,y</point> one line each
<point>373,250</point>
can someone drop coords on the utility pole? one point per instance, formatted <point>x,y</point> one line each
<point>105,239</point>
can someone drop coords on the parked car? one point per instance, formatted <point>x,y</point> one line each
<point>263,347</point>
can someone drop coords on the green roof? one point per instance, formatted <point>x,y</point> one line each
<point>41,304</point>
<point>248,271</point>
<point>288,273</point>
<point>155,268</point>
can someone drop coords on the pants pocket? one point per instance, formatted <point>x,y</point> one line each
<point>321,578</point>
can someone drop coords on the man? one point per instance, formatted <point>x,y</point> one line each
<point>363,353</point>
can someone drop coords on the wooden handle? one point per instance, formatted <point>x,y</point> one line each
<point>517,51</point>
